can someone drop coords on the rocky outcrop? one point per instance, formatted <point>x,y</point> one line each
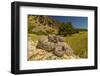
<point>55,44</point>
<point>39,24</point>
<point>49,48</point>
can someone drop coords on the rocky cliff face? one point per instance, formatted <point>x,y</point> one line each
<point>44,24</point>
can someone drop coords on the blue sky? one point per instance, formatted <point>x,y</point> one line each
<point>78,22</point>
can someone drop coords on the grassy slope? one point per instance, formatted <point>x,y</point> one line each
<point>78,43</point>
<point>33,37</point>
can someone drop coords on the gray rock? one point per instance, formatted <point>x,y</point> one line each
<point>55,39</point>
<point>60,39</point>
<point>52,38</point>
<point>56,44</point>
<point>45,45</point>
<point>59,51</point>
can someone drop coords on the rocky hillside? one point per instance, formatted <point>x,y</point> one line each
<point>44,41</point>
<point>40,54</point>
<point>48,49</point>
<point>42,25</point>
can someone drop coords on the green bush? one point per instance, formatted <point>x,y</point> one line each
<point>66,29</point>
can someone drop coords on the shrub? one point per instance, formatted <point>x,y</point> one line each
<point>66,29</point>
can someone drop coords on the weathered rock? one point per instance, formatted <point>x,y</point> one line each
<point>45,45</point>
<point>60,39</point>
<point>58,51</point>
<point>39,54</point>
<point>31,47</point>
<point>52,38</point>
<point>43,49</point>
<point>56,44</point>
<point>55,39</point>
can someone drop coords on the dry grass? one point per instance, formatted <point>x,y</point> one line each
<point>79,43</point>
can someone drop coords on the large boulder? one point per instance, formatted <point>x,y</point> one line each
<point>55,39</point>
<point>45,45</point>
<point>59,50</point>
<point>60,39</point>
<point>52,38</point>
<point>55,44</point>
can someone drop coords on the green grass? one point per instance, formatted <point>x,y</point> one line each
<point>79,43</point>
